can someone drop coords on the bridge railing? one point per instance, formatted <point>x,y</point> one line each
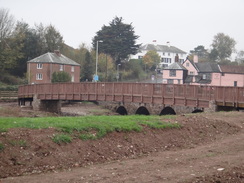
<point>143,92</point>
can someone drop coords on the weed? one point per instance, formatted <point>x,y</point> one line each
<point>3,130</point>
<point>61,138</point>
<point>88,137</point>
<point>1,147</point>
<point>21,143</point>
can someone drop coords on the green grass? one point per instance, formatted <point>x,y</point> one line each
<point>90,127</point>
<point>61,138</point>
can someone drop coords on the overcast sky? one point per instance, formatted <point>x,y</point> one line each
<point>184,23</point>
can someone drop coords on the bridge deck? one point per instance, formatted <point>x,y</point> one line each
<point>182,95</point>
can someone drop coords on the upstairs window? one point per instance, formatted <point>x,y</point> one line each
<point>61,67</point>
<point>204,76</point>
<point>72,68</point>
<point>172,73</point>
<point>39,66</point>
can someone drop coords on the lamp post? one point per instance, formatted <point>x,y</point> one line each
<point>118,72</point>
<point>96,76</point>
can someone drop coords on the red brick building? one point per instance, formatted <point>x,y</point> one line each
<point>40,69</point>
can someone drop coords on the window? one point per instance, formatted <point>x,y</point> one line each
<point>163,53</point>
<point>39,66</point>
<point>172,73</point>
<point>187,64</point>
<point>61,68</point>
<point>72,68</point>
<point>170,81</point>
<point>168,54</point>
<point>72,78</point>
<point>204,76</point>
<point>191,73</point>
<point>235,83</point>
<point>38,76</point>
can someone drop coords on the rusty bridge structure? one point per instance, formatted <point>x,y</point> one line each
<point>200,97</point>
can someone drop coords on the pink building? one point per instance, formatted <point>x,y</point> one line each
<point>204,73</point>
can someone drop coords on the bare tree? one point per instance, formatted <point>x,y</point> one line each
<point>6,23</point>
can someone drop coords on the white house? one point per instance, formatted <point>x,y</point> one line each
<point>167,53</point>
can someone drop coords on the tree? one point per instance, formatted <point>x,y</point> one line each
<point>8,52</point>
<point>58,77</point>
<point>119,40</point>
<point>53,38</point>
<point>151,59</point>
<point>29,39</point>
<point>223,45</point>
<point>240,57</point>
<point>201,52</point>
<point>87,73</point>
<point>6,24</point>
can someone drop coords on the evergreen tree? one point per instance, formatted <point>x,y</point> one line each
<point>87,70</point>
<point>118,40</point>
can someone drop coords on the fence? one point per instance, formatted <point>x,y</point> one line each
<point>8,95</point>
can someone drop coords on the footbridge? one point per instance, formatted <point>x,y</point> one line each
<point>134,98</point>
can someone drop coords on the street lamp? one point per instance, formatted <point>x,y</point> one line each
<point>96,76</point>
<point>118,72</point>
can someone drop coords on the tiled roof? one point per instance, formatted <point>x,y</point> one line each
<point>236,69</point>
<point>162,48</point>
<point>53,58</point>
<point>207,67</point>
<point>175,66</point>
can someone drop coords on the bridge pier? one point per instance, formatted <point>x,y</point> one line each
<point>46,105</point>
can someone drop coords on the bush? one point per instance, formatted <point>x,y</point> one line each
<point>58,77</point>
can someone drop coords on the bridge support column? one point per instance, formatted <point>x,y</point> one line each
<point>212,107</point>
<point>46,105</point>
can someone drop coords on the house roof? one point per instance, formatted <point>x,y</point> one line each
<point>175,66</point>
<point>207,67</point>
<point>235,69</point>
<point>162,48</point>
<point>53,58</point>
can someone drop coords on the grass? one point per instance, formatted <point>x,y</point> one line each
<point>89,127</point>
<point>61,138</point>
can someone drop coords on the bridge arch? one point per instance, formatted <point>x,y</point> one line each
<point>168,111</point>
<point>142,111</point>
<point>197,111</point>
<point>121,110</point>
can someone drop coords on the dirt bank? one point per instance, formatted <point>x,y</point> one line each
<point>208,148</point>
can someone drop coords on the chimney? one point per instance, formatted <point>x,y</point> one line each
<point>154,42</point>
<point>176,57</point>
<point>168,44</point>
<point>195,59</point>
<point>57,52</point>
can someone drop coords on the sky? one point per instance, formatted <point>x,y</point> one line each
<point>186,24</point>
